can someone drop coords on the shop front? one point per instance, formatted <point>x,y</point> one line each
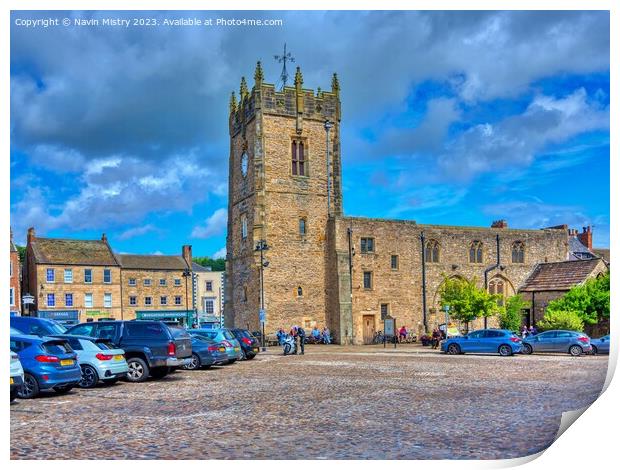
<point>64,317</point>
<point>97,315</point>
<point>180,317</point>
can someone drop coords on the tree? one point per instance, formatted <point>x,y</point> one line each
<point>590,300</point>
<point>466,301</point>
<point>561,320</point>
<point>510,316</point>
<point>218,264</point>
<point>22,253</point>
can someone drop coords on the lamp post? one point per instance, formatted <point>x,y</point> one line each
<point>262,246</point>
<point>186,274</point>
<point>328,126</point>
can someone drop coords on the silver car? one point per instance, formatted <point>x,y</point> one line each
<point>17,375</point>
<point>600,345</point>
<point>98,359</point>
<point>562,341</point>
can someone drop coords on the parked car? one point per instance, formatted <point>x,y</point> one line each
<point>150,348</point>
<point>222,335</point>
<point>249,344</point>
<point>206,353</point>
<point>17,375</point>
<point>37,326</point>
<point>98,359</point>
<point>49,364</point>
<point>571,342</point>
<point>503,342</point>
<point>600,345</point>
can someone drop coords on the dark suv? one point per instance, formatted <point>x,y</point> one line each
<point>249,343</point>
<point>150,347</point>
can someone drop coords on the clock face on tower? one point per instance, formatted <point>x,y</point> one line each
<point>244,164</point>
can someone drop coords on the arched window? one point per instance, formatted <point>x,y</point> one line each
<point>302,226</point>
<point>518,252</point>
<point>497,286</point>
<point>431,251</point>
<point>300,292</point>
<point>475,252</point>
<point>298,158</point>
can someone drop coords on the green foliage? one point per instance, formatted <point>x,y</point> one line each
<point>510,316</point>
<point>467,302</point>
<point>590,301</point>
<point>561,320</point>
<point>22,253</point>
<point>218,264</point>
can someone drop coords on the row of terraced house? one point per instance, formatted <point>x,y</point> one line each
<point>72,280</point>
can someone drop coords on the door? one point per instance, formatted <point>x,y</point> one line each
<point>368,324</point>
<point>562,341</point>
<point>473,342</point>
<point>544,342</point>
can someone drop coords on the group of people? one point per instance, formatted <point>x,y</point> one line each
<point>299,335</point>
<point>531,331</point>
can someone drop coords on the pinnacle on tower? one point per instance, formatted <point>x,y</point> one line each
<point>258,73</point>
<point>233,103</point>
<point>299,79</point>
<point>335,84</point>
<point>243,90</point>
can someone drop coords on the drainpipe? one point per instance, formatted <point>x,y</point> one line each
<point>488,270</point>
<point>349,234</point>
<point>422,240</point>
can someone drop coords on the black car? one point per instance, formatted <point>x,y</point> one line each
<point>206,353</point>
<point>249,344</point>
<point>150,346</point>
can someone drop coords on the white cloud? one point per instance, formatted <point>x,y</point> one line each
<point>213,226</point>
<point>221,253</point>
<point>136,232</point>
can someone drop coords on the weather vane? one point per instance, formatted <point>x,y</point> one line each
<point>283,59</point>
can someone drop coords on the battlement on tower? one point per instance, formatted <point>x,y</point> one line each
<point>293,101</point>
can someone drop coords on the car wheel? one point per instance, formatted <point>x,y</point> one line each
<point>159,372</point>
<point>594,350</point>
<point>89,377</point>
<point>287,349</point>
<point>505,350</point>
<point>30,388</point>
<point>194,363</point>
<point>245,355</point>
<point>575,350</point>
<point>527,349</point>
<point>454,349</point>
<point>13,395</point>
<point>138,370</point>
<point>249,357</point>
<point>63,389</point>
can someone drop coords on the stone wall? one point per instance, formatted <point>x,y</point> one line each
<point>15,282</point>
<point>401,289</point>
<point>155,291</point>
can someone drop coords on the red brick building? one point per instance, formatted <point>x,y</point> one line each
<point>15,295</point>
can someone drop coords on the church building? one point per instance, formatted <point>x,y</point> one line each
<point>321,267</point>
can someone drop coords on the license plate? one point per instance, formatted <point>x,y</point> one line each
<point>237,349</point>
<point>255,349</point>
<point>119,357</point>
<point>222,349</point>
<point>66,362</point>
<point>12,381</point>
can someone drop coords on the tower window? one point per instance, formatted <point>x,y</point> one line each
<point>394,262</point>
<point>475,252</point>
<point>367,279</point>
<point>302,226</point>
<point>518,252</point>
<point>298,158</point>
<point>244,227</point>
<point>300,292</point>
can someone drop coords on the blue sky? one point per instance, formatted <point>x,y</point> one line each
<point>456,118</point>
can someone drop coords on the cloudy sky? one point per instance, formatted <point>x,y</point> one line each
<point>453,118</point>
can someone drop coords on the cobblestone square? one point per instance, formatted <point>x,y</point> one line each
<point>332,403</point>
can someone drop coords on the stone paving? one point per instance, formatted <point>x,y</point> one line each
<point>332,403</point>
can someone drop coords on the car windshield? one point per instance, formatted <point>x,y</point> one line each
<point>179,332</point>
<point>228,335</point>
<point>57,347</point>
<point>105,345</point>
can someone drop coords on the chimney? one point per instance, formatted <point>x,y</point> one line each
<point>187,255</point>
<point>585,237</point>
<point>499,224</point>
<point>31,236</point>
<point>104,239</point>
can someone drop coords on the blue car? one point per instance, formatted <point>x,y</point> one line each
<point>49,364</point>
<point>600,345</point>
<point>502,342</point>
<point>37,326</point>
<point>222,335</point>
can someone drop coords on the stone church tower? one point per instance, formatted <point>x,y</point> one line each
<point>278,194</point>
